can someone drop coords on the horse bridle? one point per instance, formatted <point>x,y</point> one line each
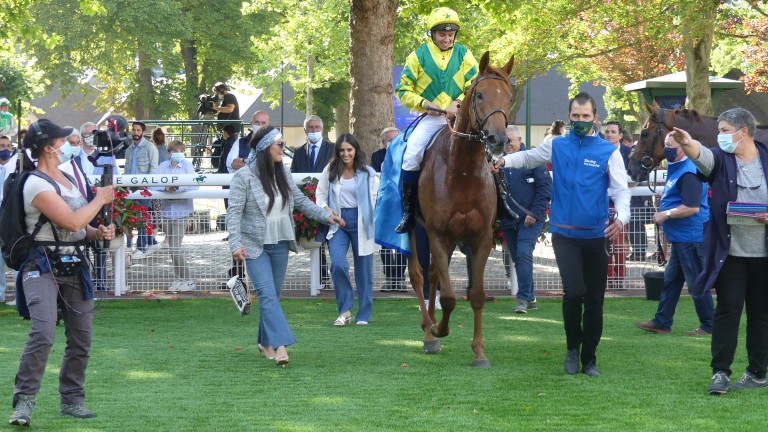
<point>478,124</point>
<point>647,162</point>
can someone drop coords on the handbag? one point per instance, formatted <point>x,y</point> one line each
<point>239,293</point>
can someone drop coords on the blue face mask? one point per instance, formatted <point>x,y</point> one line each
<point>66,152</point>
<point>5,154</point>
<point>725,141</point>
<point>670,153</point>
<point>177,157</point>
<point>76,151</point>
<point>314,136</point>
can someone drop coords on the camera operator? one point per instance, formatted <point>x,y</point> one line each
<point>229,109</point>
<point>88,133</point>
<point>56,269</point>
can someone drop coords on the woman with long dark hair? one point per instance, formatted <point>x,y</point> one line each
<point>348,187</point>
<point>262,196</point>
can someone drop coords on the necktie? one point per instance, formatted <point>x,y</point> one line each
<point>312,158</point>
<point>76,172</point>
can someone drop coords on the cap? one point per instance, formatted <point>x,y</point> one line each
<point>44,129</point>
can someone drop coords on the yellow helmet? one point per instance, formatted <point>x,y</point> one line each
<point>445,19</point>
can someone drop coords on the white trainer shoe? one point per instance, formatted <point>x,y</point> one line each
<point>152,249</point>
<point>183,285</point>
<point>137,255</point>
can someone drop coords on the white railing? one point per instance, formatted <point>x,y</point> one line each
<point>208,253</point>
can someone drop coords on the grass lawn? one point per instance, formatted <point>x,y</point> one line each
<point>193,365</point>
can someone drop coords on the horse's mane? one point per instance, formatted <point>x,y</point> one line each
<point>690,114</point>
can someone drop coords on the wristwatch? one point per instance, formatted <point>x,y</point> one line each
<point>668,214</point>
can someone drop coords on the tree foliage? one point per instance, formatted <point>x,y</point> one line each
<point>128,55</point>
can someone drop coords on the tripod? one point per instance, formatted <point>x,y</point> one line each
<point>206,135</point>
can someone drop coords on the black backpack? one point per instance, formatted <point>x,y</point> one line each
<point>15,241</point>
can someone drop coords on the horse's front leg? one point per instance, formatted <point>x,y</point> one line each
<point>479,259</point>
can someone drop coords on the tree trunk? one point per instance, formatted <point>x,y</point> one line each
<point>698,48</point>
<point>342,118</point>
<point>191,76</point>
<point>371,52</point>
<point>518,97</point>
<point>144,104</point>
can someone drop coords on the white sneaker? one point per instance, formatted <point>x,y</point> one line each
<point>11,303</point>
<point>152,249</point>
<point>137,255</point>
<point>183,285</point>
<point>437,302</point>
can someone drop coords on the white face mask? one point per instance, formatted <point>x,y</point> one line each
<point>88,141</point>
<point>314,136</point>
<point>76,151</point>
<point>725,141</point>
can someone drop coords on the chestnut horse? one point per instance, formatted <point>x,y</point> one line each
<point>457,196</point>
<point>649,151</point>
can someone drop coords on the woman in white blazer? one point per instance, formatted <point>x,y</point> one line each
<point>348,188</point>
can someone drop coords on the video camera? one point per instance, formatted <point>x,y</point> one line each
<point>107,143</point>
<point>207,102</point>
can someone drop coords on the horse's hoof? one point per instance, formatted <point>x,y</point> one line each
<point>483,364</point>
<point>432,346</point>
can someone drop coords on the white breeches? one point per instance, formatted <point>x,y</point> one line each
<point>417,142</point>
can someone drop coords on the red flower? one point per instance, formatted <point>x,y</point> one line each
<point>128,215</point>
<point>306,227</point>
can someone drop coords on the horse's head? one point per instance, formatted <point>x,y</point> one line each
<point>486,104</point>
<point>649,151</point>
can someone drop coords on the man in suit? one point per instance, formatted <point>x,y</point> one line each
<point>312,157</point>
<point>316,153</point>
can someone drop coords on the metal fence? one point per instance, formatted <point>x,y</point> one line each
<point>207,255</point>
<point>209,260</point>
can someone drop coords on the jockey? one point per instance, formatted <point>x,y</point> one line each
<point>435,75</point>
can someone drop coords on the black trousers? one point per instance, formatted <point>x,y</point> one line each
<point>393,265</point>
<point>582,264</point>
<point>741,281</point>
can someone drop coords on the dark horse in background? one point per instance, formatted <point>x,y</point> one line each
<point>649,151</point>
<point>458,200</point>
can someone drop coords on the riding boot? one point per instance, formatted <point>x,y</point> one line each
<point>503,211</point>
<point>410,192</point>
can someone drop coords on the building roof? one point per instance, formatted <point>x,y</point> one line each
<point>549,99</point>
<point>677,80</point>
<point>754,102</point>
<point>291,117</point>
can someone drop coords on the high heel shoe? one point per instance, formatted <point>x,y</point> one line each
<point>281,359</point>
<point>265,353</point>
<point>342,320</point>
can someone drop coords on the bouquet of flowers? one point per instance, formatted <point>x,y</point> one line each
<point>128,215</point>
<point>305,227</point>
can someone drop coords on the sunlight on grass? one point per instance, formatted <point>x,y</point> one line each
<point>147,375</point>
<point>400,343</point>
<point>531,319</point>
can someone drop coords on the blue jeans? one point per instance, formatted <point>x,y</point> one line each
<point>520,242</point>
<point>686,261</point>
<point>145,239</point>
<point>338,246</point>
<point>267,273</point>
